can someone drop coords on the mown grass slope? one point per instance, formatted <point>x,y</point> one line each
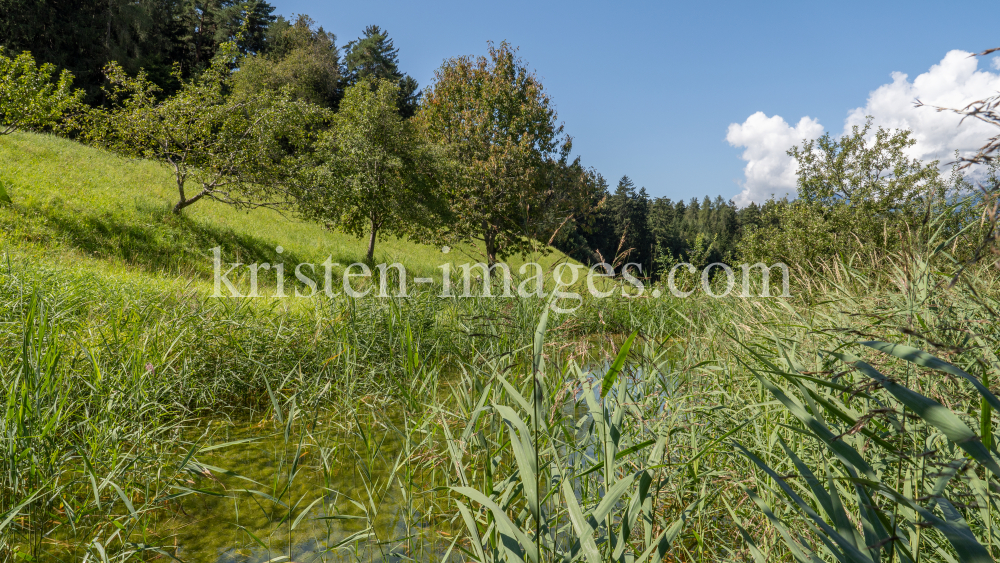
<point>77,204</point>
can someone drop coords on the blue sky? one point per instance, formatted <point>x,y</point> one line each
<point>650,89</point>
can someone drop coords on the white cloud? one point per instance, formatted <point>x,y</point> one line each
<point>954,82</point>
<point>769,170</point>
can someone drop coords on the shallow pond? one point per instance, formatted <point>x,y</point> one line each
<point>360,485</point>
<point>321,488</point>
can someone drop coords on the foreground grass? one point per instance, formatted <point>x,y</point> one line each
<point>700,428</point>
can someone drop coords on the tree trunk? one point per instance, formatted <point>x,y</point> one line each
<point>489,239</point>
<point>371,243</point>
<point>181,205</point>
<point>186,202</point>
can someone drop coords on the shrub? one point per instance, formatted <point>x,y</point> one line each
<point>28,96</point>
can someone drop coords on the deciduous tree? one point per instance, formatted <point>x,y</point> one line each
<point>862,169</point>
<point>499,125</point>
<point>237,149</point>
<point>859,191</point>
<point>374,176</point>
<point>300,57</point>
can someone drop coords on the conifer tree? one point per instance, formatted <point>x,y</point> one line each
<point>374,57</point>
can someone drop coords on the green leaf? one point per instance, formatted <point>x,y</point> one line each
<point>253,537</point>
<point>480,407</point>
<point>367,532</point>
<point>539,342</point>
<point>845,452</point>
<point>758,557</point>
<point>306,511</point>
<point>611,497</point>
<point>616,367</point>
<point>503,522</point>
<point>820,494</point>
<point>262,495</point>
<point>125,499</point>
<point>782,528</point>
<point>341,517</point>
<point>473,529</point>
<point>524,455</point>
<point>953,526</point>
<point>583,530</point>
<point>664,541</point>
<point>850,550</point>
<point>936,414</point>
<point>12,513</point>
<point>274,400</point>
<point>923,359</point>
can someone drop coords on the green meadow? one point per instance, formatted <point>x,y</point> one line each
<point>89,207</point>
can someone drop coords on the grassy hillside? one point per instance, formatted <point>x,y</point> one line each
<point>84,206</point>
<point>94,235</point>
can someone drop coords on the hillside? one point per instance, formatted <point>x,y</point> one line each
<point>94,236</point>
<point>85,207</point>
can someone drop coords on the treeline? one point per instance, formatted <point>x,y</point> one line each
<point>628,226</point>
<point>858,195</point>
<point>154,35</point>
<point>251,109</point>
<point>177,81</point>
<point>171,40</point>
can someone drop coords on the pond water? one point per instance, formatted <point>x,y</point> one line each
<point>323,488</point>
<point>358,485</point>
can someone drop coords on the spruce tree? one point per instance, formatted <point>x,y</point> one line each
<point>374,57</point>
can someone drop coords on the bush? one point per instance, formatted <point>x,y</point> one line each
<point>28,96</point>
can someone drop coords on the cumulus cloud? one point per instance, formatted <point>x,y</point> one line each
<point>954,82</point>
<point>769,170</point>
